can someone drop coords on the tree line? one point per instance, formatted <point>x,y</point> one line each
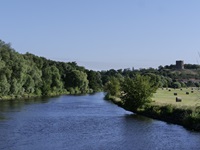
<point>31,75</point>
<point>165,77</point>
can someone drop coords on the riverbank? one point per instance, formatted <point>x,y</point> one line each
<point>32,96</point>
<point>28,96</point>
<point>187,117</point>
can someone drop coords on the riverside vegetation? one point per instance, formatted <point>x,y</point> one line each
<point>136,95</point>
<point>27,75</point>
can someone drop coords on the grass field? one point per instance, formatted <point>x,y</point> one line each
<point>165,96</point>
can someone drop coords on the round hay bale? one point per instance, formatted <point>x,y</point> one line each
<point>178,99</point>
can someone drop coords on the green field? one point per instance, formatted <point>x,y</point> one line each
<point>164,96</point>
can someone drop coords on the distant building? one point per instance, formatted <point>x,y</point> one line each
<point>179,64</point>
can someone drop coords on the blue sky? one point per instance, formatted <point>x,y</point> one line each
<point>104,34</point>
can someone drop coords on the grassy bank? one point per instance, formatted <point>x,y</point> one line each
<point>164,107</point>
<point>186,116</point>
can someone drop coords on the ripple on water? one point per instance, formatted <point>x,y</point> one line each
<point>87,122</point>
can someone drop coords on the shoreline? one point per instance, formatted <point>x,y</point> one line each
<point>168,113</point>
<point>27,97</point>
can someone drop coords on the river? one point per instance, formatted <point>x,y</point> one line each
<point>85,123</point>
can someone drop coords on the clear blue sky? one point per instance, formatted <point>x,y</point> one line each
<point>104,34</point>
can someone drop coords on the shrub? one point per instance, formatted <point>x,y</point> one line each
<point>167,110</point>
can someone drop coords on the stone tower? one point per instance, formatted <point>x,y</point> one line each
<point>179,64</point>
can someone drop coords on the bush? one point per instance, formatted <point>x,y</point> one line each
<point>137,92</point>
<point>71,90</point>
<point>176,85</point>
<point>167,110</point>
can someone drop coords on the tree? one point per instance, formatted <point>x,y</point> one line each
<point>15,88</point>
<point>94,79</point>
<point>137,92</point>
<point>29,85</point>
<point>154,79</point>
<point>190,84</point>
<point>4,86</point>
<point>51,81</point>
<point>112,87</point>
<point>176,85</point>
<point>77,80</point>
<point>27,74</point>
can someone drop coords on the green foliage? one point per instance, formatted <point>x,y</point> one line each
<point>112,87</point>
<point>190,84</point>
<point>187,117</point>
<point>167,110</point>
<point>27,74</point>
<point>176,85</point>
<point>155,80</point>
<point>51,81</point>
<point>95,82</point>
<point>4,86</point>
<point>78,80</point>
<point>137,91</point>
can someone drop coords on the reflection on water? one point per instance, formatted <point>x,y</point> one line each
<point>2,117</point>
<point>16,105</point>
<point>138,117</point>
<point>85,122</point>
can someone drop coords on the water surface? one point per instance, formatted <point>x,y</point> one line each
<point>84,123</point>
